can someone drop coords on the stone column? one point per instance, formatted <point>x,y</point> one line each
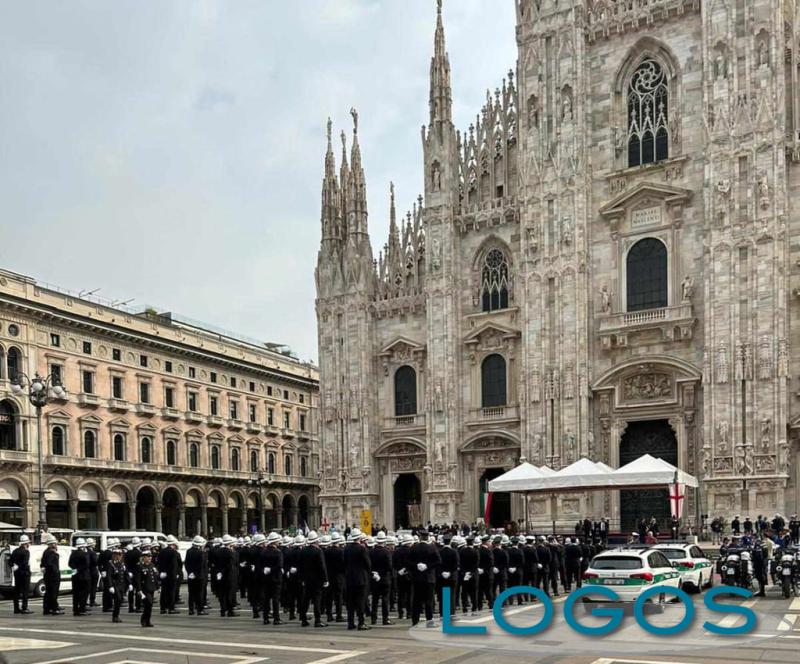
<point>182,520</point>
<point>204,518</point>
<point>224,520</point>
<point>103,514</point>
<point>157,509</point>
<point>246,525</point>
<point>73,514</point>
<point>132,515</point>
<point>279,517</point>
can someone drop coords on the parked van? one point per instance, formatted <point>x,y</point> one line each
<point>101,537</point>
<point>37,582</point>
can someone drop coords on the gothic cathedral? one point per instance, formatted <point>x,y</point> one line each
<point>602,265</point>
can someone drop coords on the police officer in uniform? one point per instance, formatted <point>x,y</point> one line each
<point>169,568</point>
<point>423,560</point>
<point>448,574</point>
<point>760,562</point>
<point>148,584</point>
<point>81,577</point>
<point>401,570</point>
<point>225,565</point>
<point>103,561</point>
<point>21,569</point>
<point>314,577</point>
<point>516,565</point>
<point>573,557</point>
<point>545,558</point>
<point>381,581</point>
<point>485,567</point>
<point>51,575</point>
<point>197,575</point>
<point>131,560</point>
<point>358,570</point>
<point>334,563</point>
<point>94,571</point>
<point>500,569</point>
<point>270,568</point>
<point>116,582</point>
<point>467,575</point>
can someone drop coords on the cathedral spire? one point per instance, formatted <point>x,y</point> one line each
<point>331,199</point>
<point>441,100</point>
<point>356,188</point>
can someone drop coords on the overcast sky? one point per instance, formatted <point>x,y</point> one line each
<point>172,152</point>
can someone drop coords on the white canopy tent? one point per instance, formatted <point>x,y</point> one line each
<point>650,471</point>
<point>516,479</point>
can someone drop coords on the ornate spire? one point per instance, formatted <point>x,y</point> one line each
<point>356,187</point>
<point>441,101</point>
<point>331,199</point>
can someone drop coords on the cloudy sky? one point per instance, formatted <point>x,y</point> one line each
<point>172,152</point>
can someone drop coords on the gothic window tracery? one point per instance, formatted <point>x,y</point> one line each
<point>493,382</point>
<point>494,281</point>
<point>648,114</point>
<point>646,275</point>
<point>405,391</point>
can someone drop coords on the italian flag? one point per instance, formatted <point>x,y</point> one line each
<point>486,499</point>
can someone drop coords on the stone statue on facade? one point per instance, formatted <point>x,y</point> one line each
<point>687,288</point>
<point>605,300</point>
<point>766,434</point>
<point>722,436</point>
<point>783,457</point>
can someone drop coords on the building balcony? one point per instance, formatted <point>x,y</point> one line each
<point>170,413</point>
<point>193,416</point>
<point>675,323</point>
<point>272,429</point>
<point>495,415</point>
<point>87,399</point>
<point>16,459</point>
<point>254,427</point>
<point>119,405</point>
<point>214,421</point>
<point>405,421</point>
<point>235,424</point>
<point>303,435</point>
<point>146,409</point>
<point>286,432</point>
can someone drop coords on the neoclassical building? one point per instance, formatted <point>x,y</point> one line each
<point>166,425</point>
<point>605,263</point>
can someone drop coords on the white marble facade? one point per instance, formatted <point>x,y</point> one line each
<point>542,204</point>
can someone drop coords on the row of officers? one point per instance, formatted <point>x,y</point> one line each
<point>324,577</point>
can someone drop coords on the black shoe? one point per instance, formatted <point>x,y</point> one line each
<point>349,627</point>
<point>163,612</point>
<point>373,621</point>
<point>320,624</point>
<point>202,613</point>
<point>388,622</point>
<point>364,628</point>
<point>278,621</point>
<point>116,620</point>
<point>191,613</point>
<point>305,623</point>
<point>173,612</point>
<point>149,625</point>
<point>233,614</point>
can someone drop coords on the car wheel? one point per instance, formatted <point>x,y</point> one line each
<point>38,589</point>
<point>710,582</point>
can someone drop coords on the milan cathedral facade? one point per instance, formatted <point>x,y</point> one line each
<point>605,263</point>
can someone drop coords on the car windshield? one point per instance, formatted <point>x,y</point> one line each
<point>617,562</point>
<point>674,554</point>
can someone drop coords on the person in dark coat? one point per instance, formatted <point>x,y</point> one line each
<point>468,575</point>
<point>94,571</point>
<point>197,575</point>
<point>314,576</point>
<point>131,560</point>
<point>448,575</point>
<point>500,569</point>
<point>485,576</point>
<point>103,561</point>
<point>148,584</point>
<point>545,559</point>
<point>381,581</point>
<point>81,577</point>
<point>358,570</point>
<point>225,565</point>
<point>51,575</point>
<point>169,565</point>
<point>116,582</point>
<point>21,570</point>
<point>516,566</point>
<point>293,584</point>
<point>403,574</point>
<point>555,564</point>
<point>573,557</point>
<point>423,560</point>
<point>530,572</point>
<point>270,569</point>
<point>334,563</point>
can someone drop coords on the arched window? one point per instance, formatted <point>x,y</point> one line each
<point>235,459</point>
<point>8,426</point>
<point>172,453</point>
<point>194,455</point>
<point>215,457</point>
<point>119,447</point>
<point>147,450</point>
<point>57,441</point>
<point>648,114</point>
<point>287,464</point>
<point>271,463</point>
<point>494,281</point>
<point>405,391</point>
<point>13,363</point>
<point>89,444</point>
<point>2,362</point>
<point>303,467</point>
<point>647,275</point>
<point>493,381</point>
<point>253,461</point>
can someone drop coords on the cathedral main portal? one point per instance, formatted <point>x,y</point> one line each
<point>656,438</point>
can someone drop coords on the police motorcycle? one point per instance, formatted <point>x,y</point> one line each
<point>737,568</point>
<point>787,570</point>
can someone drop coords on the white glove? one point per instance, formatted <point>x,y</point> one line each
<point>538,565</point>
<point>580,560</point>
<point>512,569</point>
<point>445,575</point>
<point>467,576</point>
<point>103,575</point>
<point>163,575</point>
<point>402,572</point>
<point>326,584</point>
<point>111,590</point>
<point>142,595</point>
<point>130,589</point>
<point>192,577</point>
<point>422,567</point>
<point>219,576</point>
<point>14,568</point>
<point>130,575</point>
<point>242,564</point>
<point>292,570</point>
<point>267,570</point>
<point>376,576</point>
<point>252,568</point>
<point>480,570</point>
<point>495,570</point>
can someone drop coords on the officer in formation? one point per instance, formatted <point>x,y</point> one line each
<point>21,571</point>
<point>286,578</point>
<point>51,575</point>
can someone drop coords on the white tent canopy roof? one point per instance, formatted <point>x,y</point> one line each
<point>583,474</point>
<point>647,470</point>
<point>516,479</point>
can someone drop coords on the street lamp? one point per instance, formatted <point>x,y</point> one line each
<point>263,480</point>
<point>40,392</point>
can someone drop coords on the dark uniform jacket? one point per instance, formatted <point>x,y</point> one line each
<point>271,557</point>
<point>148,578</point>
<point>516,559</point>
<point>197,563</point>
<point>21,557</point>
<point>424,552</point>
<point>50,564</point>
<point>334,561</point>
<point>485,561</point>
<point>312,567</point>
<point>449,557</point>
<point>169,562</point>
<point>381,560</point>
<point>500,559</point>
<point>79,561</point>
<point>225,564</point>
<point>117,576</point>
<point>468,561</point>
<point>131,560</point>
<point>572,555</point>
<point>357,565</point>
<point>400,561</point>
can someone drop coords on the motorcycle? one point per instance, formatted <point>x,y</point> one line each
<point>737,568</point>
<point>788,572</point>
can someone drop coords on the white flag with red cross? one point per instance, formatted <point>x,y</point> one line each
<point>677,495</point>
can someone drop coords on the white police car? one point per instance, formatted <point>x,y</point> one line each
<point>629,572</point>
<point>697,571</point>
